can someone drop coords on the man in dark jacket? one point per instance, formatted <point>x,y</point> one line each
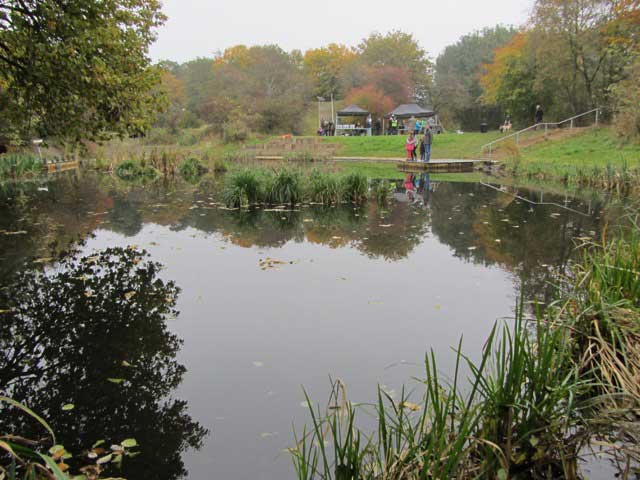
<point>427,140</point>
<point>539,114</point>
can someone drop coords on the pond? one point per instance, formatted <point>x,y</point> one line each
<point>204,360</point>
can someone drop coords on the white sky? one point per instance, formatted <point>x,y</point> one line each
<point>198,28</point>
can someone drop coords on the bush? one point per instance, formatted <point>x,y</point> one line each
<point>220,165</point>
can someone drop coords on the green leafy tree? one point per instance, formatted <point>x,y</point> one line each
<point>457,89</point>
<point>77,69</point>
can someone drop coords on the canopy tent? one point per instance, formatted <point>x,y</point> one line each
<point>405,112</point>
<point>408,110</point>
<point>353,111</point>
<point>354,128</point>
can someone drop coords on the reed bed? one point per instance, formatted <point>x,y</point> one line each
<point>541,392</point>
<point>288,186</point>
<point>19,165</point>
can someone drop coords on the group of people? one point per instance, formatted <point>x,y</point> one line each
<point>326,129</point>
<point>414,125</point>
<point>423,145</point>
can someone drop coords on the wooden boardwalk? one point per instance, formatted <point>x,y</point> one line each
<point>442,166</point>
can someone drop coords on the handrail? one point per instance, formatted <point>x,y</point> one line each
<point>546,126</point>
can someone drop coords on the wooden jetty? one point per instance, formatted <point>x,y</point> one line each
<point>441,166</point>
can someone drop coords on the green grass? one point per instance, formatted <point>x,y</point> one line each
<point>591,149</point>
<point>446,145</point>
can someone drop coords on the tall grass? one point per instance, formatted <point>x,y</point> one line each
<point>384,189</point>
<point>602,299</point>
<point>518,413</point>
<point>19,165</point>
<point>192,169</point>
<point>323,187</point>
<point>286,186</point>
<point>355,187</point>
<point>242,188</point>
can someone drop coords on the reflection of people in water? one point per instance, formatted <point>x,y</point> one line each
<point>409,186</point>
<point>424,187</point>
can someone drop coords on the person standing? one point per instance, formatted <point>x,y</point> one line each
<point>410,147</point>
<point>539,114</point>
<point>427,140</point>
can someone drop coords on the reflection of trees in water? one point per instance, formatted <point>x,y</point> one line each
<point>69,331</point>
<point>474,216</point>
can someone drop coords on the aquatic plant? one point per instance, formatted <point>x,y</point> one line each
<point>19,165</point>
<point>192,169</point>
<point>355,187</point>
<point>136,170</point>
<point>243,187</point>
<point>26,458</point>
<point>517,414</point>
<point>284,187</point>
<point>383,191</point>
<point>323,187</point>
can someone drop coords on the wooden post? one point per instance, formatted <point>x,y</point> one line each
<point>597,114</point>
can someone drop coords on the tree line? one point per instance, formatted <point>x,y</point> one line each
<point>80,69</point>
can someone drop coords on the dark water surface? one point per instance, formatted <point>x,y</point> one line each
<point>203,361</point>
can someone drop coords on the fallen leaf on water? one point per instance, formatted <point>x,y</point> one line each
<point>125,363</point>
<point>497,240</point>
<point>471,248</point>
<point>129,442</point>
<point>68,406</point>
<point>4,311</point>
<point>117,381</point>
<point>129,295</point>
<point>20,232</point>
<point>267,434</point>
<point>258,364</point>
<point>387,225</point>
<point>104,459</point>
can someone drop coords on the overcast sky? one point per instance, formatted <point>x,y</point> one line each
<point>198,28</point>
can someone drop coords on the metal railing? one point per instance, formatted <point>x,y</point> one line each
<point>545,125</point>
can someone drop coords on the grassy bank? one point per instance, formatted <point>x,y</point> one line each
<point>594,158</point>
<point>543,389</point>
<point>446,145</point>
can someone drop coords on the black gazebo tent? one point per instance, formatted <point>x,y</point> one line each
<point>352,111</point>
<point>409,110</point>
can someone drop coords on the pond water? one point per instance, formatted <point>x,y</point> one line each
<point>204,361</point>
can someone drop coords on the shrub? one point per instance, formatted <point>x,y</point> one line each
<point>220,165</point>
